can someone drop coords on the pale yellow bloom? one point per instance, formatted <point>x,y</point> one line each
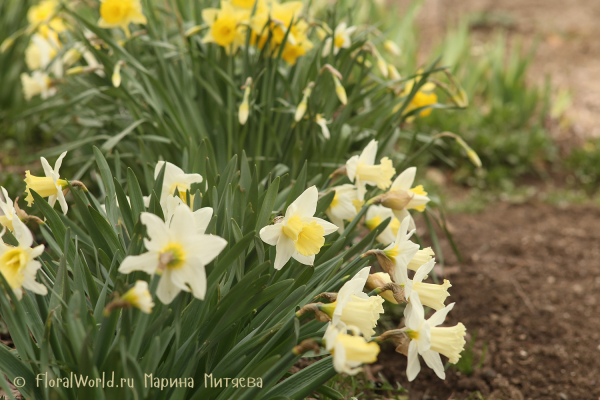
<point>121,13</point>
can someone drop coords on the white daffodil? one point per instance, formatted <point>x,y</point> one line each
<point>178,252</point>
<point>50,186</point>
<point>401,197</point>
<point>139,297</point>
<point>349,352</point>
<point>353,307</point>
<point>341,39</point>
<point>18,264</point>
<point>362,170</point>
<point>430,295</point>
<point>344,206</point>
<point>401,251</point>
<point>41,52</point>
<point>38,83</point>
<point>201,216</point>
<point>175,180</point>
<point>298,235</point>
<point>8,210</point>
<point>430,340</point>
<point>375,216</point>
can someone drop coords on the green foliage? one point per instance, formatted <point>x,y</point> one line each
<point>584,163</point>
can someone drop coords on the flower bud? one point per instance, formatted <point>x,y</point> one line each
<point>340,91</point>
<point>116,76</point>
<point>301,109</point>
<point>244,110</point>
<point>392,48</point>
<point>394,199</point>
<point>193,30</point>
<point>383,66</point>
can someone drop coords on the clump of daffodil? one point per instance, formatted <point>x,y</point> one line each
<point>8,210</point>
<point>341,39</point>
<point>344,206</point>
<point>227,26</point>
<point>349,351</point>
<point>50,186</point>
<point>363,171</point>
<point>121,13</point>
<point>18,264</point>
<point>244,110</point>
<point>177,252</point>
<point>175,180</point>
<point>139,297</point>
<point>403,197</point>
<point>298,234</point>
<point>424,97</point>
<point>38,83</point>
<point>355,308</point>
<point>430,340</point>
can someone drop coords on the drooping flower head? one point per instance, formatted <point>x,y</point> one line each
<point>176,251</point>
<point>349,351</point>
<point>50,186</point>
<point>18,264</point>
<point>121,13</point>
<point>430,340</point>
<point>298,234</point>
<point>362,170</point>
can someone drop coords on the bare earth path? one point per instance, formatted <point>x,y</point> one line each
<point>569,50</point>
<point>530,287</point>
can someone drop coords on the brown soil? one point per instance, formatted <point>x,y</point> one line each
<point>530,286</point>
<point>568,52</point>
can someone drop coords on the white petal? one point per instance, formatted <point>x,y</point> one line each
<point>439,316</point>
<point>58,163</point>
<point>326,47</point>
<point>414,314</point>
<point>47,168</point>
<point>36,252</point>
<point>413,367</point>
<point>361,189</point>
<point>22,233</point>
<point>156,228</point>
<point>424,270</point>
<point>417,200</point>
<point>183,224</point>
<point>203,217</point>
<point>284,251</point>
<point>405,180</point>
<point>327,226</point>
<point>306,260</point>
<point>306,204</point>
<point>166,290</point>
<point>424,339</point>
<point>433,361</point>
<point>351,166</point>
<point>339,358</point>
<point>205,247</point>
<point>147,262</point>
<point>369,153</point>
<point>270,234</point>
<point>61,200</point>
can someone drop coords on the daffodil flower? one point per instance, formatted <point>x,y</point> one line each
<point>423,256</point>
<point>202,216</point>
<point>298,234</point>
<point>50,186</point>
<point>431,295</point>
<point>341,39</point>
<point>424,97</point>
<point>402,196</point>
<point>121,13</point>
<point>362,170</point>
<point>41,52</point>
<point>139,297</point>
<point>8,210</point>
<point>227,27</point>
<point>43,17</point>
<point>176,251</point>
<point>349,352</point>
<point>175,180</point>
<point>344,206</point>
<point>354,307</point>
<point>376,214</point>
<point>38,83</point>
<point>401,251</point>
<point>430,340</point>
<point>18,264</point>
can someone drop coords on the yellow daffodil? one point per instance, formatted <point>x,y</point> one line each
<point>349,352</point>
<point>430,340</point>
<point>423,98</point>
<point>18,264</point>
<point>299,234</point>
<point>139,297</point>
<point>50,186</point>
<point>281,16</point>
<point>43,16</point>
<point>176,251</point>
<point>362,170</point>
<point>121,13</point>
<point>227,26</point>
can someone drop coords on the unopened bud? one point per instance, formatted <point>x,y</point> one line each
<point>384,261</point>
<point>6,44</point>
<point>393,73</point>
<point>383,66</point>
<point>392,48</point>
<point>193,30</point>
<point>71,56</point>
<point>301,109</point>
<point>394,199</point>
<point>244,110</point>
<point>340,91</point>
<point>116,76</point>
